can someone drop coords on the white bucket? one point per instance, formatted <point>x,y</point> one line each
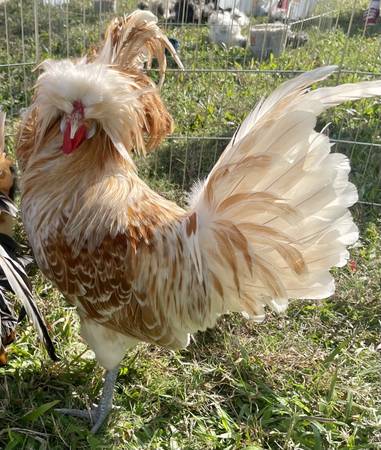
<point>301,9</point>
<point>268,38</point>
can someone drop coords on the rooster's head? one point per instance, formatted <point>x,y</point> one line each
<point>96,101</point>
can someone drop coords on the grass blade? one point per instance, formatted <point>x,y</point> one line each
<point>39,411</point>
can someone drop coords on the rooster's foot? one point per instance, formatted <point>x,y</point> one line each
<point>97,415</point>
<point>93,415</point>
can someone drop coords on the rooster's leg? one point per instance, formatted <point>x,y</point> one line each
<point>105,403</point>
<point>98,414</point>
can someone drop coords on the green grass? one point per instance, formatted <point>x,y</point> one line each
<point>309,379</point>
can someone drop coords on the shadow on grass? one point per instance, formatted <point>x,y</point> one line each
<point>78,384</point>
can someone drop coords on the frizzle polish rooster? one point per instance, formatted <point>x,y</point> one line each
<point>266,225</point>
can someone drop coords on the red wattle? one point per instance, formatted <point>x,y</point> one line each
<point>69,145</point>
<point>79,136</point>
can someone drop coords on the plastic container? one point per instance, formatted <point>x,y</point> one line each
<point>268,38</point>
<point>301,9</point>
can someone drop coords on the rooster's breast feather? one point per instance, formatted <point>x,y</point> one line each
<point>143,283</point>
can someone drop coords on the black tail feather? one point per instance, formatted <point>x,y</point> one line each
<point>14,278</point>
<point>20,285</point>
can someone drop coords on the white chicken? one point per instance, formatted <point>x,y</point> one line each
<point>225,27</point>
<point>266,225</point>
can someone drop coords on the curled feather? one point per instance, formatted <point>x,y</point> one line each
<point>133,41</point>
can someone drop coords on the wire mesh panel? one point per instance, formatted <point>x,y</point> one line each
<point>232,58</point>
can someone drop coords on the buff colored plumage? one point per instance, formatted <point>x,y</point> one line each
<point>266,225</point>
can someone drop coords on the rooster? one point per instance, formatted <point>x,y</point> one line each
<point>13,277</point>
<point>266,225</point>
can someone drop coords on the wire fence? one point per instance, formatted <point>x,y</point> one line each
<point>221,81</point>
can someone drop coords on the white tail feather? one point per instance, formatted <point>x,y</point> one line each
<point>273,213</point>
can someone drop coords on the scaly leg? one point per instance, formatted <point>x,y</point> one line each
<point>98,414</point>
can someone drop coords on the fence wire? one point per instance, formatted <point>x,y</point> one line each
<point>221,82</point>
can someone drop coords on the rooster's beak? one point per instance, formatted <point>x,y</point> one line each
<point>74,127</point>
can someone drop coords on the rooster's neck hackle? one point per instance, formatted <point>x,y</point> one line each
<point>91,193</point>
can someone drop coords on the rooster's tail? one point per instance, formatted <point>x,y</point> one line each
<point>273,216</point>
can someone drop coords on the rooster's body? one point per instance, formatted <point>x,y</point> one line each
<point>267,225</point>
